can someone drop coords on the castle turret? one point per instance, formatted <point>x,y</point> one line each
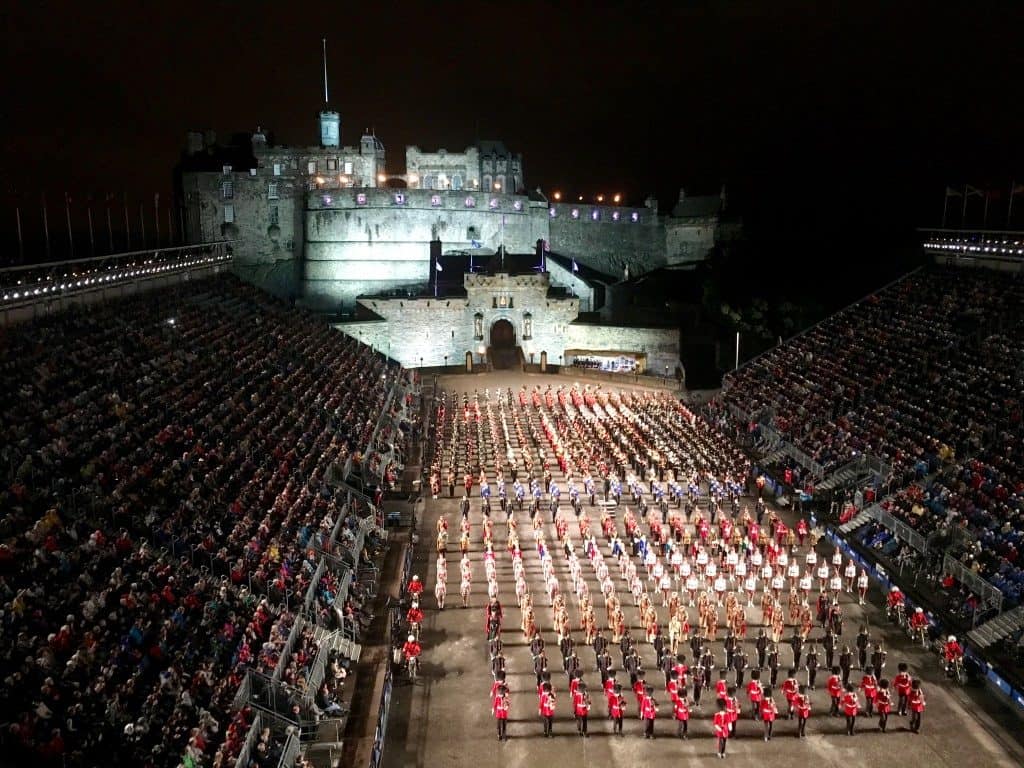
<point>330,121</point>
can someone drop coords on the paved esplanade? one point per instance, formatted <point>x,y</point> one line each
<point>445,719</point>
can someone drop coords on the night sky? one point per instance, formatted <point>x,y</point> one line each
<point>842,120</point>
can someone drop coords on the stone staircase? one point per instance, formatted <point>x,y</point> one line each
<point>996,629</point>
<point>861,518</point>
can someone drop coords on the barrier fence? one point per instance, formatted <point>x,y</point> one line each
<point>898,527</point>
<point>380,733</point>
<point>269,693</point>
<point>878,572</point>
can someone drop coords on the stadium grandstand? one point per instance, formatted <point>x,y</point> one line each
<point>187,577</point>
<point>208,556</point>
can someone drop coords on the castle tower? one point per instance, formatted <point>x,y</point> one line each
<point>330,121</point>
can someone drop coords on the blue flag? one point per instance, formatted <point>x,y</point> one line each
<point>475,244</point>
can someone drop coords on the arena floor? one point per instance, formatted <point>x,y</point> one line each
<point>445,719</point>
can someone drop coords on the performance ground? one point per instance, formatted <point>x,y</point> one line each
<point>444,718</point>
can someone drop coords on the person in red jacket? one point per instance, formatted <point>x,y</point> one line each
<point>802,702</point>
<point>414,616</point>
<point>720,722</point>
<point>648,711</point>
<point>501,706</point>
<point>755,693</point>
<point>869,684</point>
<point>546,707</point>
<point>581,708</point>
<point>789,689</point>
<point>732,706</point>
<point>883,703</point>
<point>851,706</point>
<point>902,685</point>
<point>835,690</point>
<point>415,587</point>
<point>617,708</point>
<point>681,709</point>
<point>917,705</point>
<point>769,711</point>
<point>722,686</point>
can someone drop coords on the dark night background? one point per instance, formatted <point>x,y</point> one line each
<point>836,125</point>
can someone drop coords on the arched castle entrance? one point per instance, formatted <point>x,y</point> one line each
<point>503,344</point>
<point>503,335</point>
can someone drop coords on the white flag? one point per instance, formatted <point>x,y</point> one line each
<point>437,266</point>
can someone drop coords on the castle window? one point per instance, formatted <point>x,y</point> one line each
<point>227,190</point>
<point>311,167</point>
<point>295,163</point>
<point>348,167</point>
<point>488,183</point>
<point>226,169</point>
<point>332,164</point>
<point>527,326</point>
<point>427,182</point>
<point>277,169</point>
<point>478,326</point>
<point>274,216</point>
<point>229,214</point>
<point>272,191</point>
<point>252,172</point>
<point>456,181</point>
<point>499,183</point>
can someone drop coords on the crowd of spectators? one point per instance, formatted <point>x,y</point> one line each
<point>928,375</point>
<point>165,500</point>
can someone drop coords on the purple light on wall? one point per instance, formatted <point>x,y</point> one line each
<point>551,212</point>
<point>470,202</point>
<point>435,200</point>
<point>361,199</point>
<point>634,216</point>
<point>615,216</point>
<point>327,200</point>
<point>595,214</point>
<point>575,213</point>
<point>494,202</point>
<point>518,205</point>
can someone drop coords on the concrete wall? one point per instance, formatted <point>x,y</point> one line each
<point>661,345</point>
<point>428,329</point>
<point>565,278</point>
<point>690,240</point>
<point>364,242</point>
<point>607,244</point>
<point>430,166</point>
<point>266,253</point>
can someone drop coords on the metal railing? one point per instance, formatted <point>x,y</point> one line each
<point>250,742</point>
<point>990,596</point>
<point>896,526</point>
